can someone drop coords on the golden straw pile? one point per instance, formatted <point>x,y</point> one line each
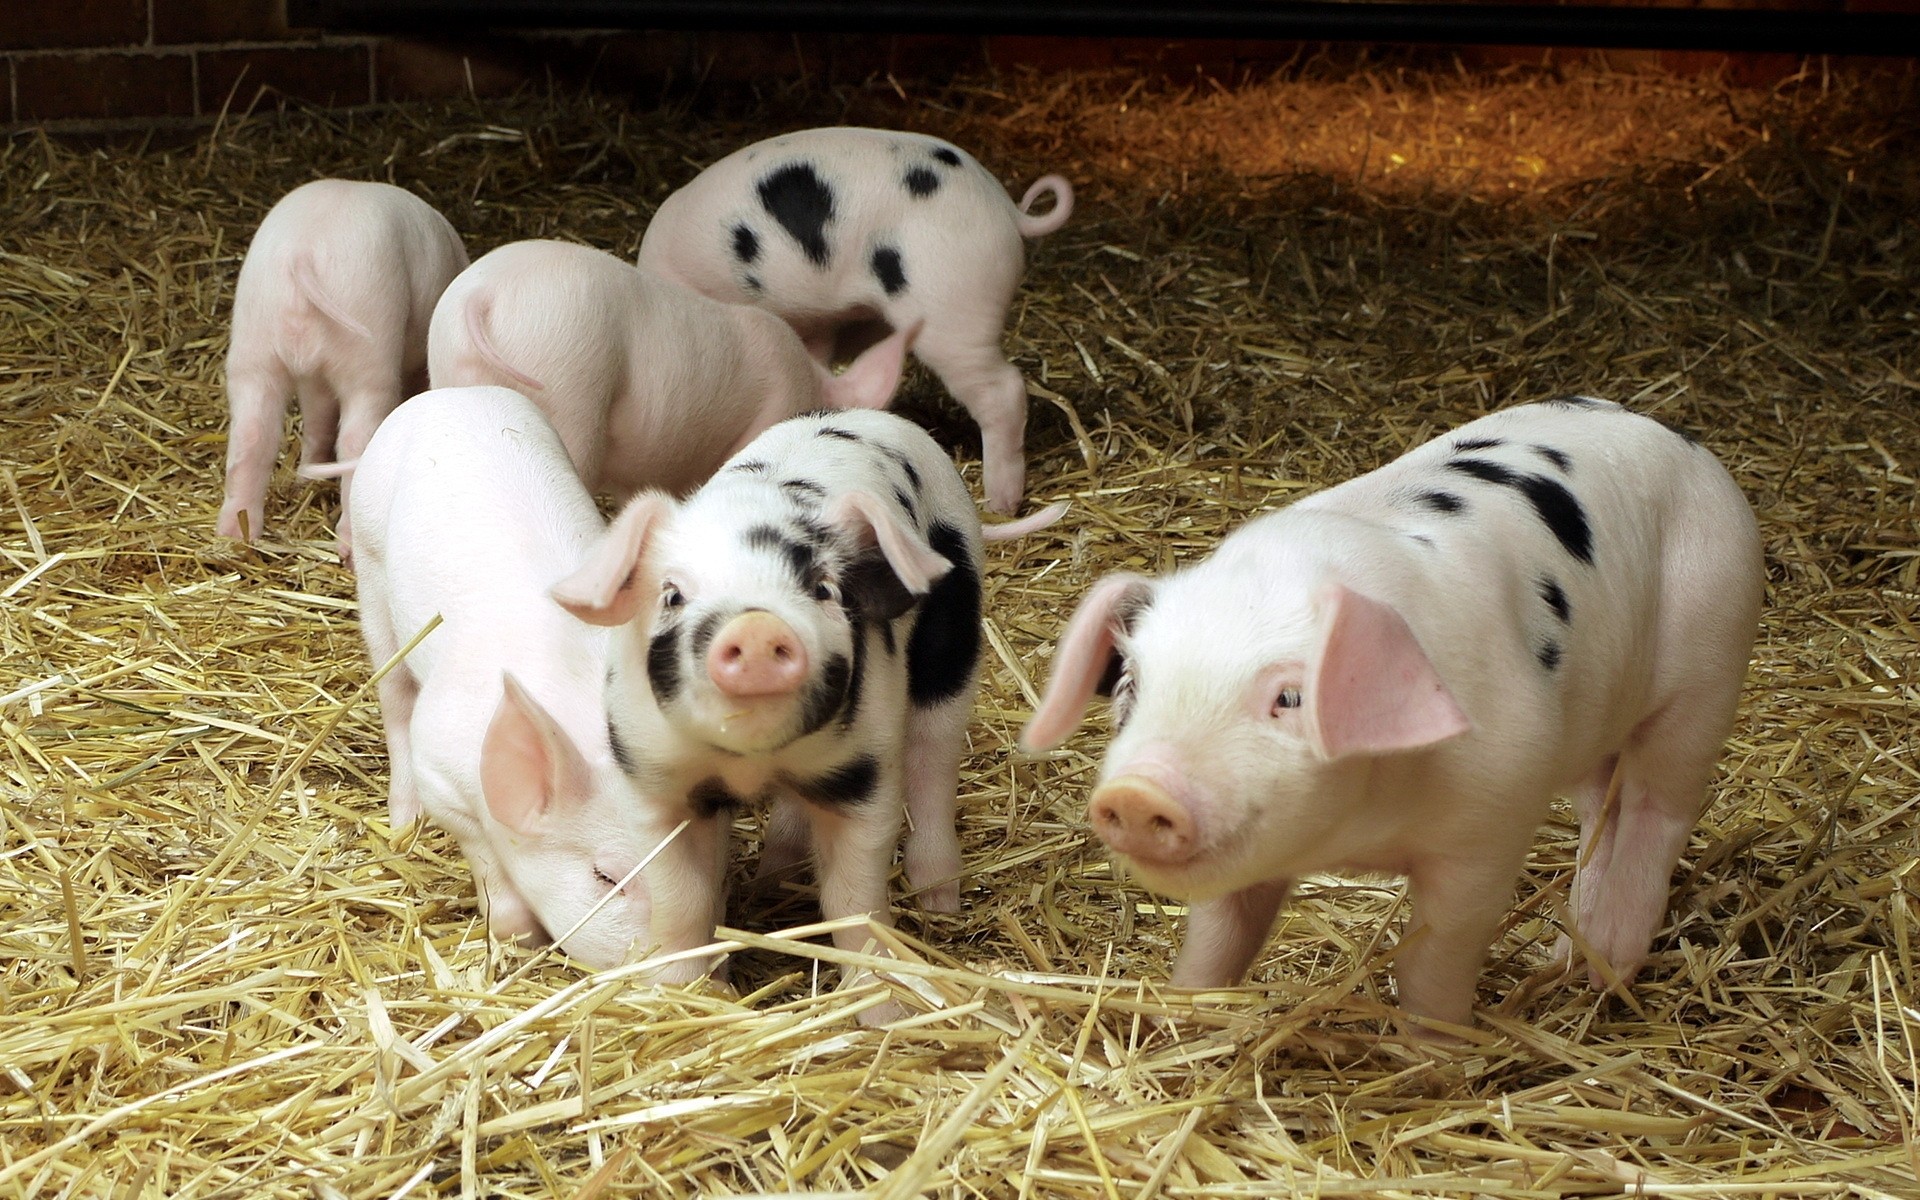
<point>222,975</point>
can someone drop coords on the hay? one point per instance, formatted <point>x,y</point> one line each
<point>223,976</point>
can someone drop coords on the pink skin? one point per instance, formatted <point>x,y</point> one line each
<point>1367,682</point>
<point>756,656</point>
<point>959,248</point>
<point>331,307</point>
<point>467,508</point>
<point>649,384</point>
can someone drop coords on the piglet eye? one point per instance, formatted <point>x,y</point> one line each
<point>603,877</point>
<point>670,596</point>
<point>1289,697</point>
<point>827,592</point>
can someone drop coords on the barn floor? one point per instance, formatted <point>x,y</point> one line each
<point>221,975</point>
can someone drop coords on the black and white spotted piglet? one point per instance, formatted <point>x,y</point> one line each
<point>1396,675</point>
<point>834,229</point>
<point>803,631</point>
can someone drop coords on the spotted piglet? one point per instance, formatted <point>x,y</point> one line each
<point>468,510</point>
<point>649,384</point>
<point>1397,674</point>
<point>803,631</point>
<point>834,229</point>
<point>331,305</point>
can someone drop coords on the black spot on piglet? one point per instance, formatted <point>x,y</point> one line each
<point>887,269</point>
<point>834,431</point>
<point>746,244</point>
<point>1549,655</point>
<point>1556,598</point>
<point>845,785</point>
<point>1555,504</point>
<point>1442,502</point>
<point>801,201</point>
<point>1479,443</point>
<point>622,757</point>
<point>947,155</point>
<point>920,182</point>
<point>829,694</point>
<point>944,647</point>
<point>1557,457</point>
<point>663,664</point>
<point>710,797</point>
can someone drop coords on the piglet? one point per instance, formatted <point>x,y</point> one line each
<point>1398,673</point>
<point>466,506</point>
<point>331,306</point>
<point>835,229</point>
<point>648,383</point>
<point>803,632</point>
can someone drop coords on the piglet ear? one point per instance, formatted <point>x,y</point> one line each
<point>529,767</point>
<point>606,588</point>
<point>915,563</point>
<point>871,379</point>
<point>1084,659</point>
<point>1373,690</point>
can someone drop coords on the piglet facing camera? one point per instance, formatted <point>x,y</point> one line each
<point>1397,674</point>
<point>802,632</point>
<point>835,229</point>
<point>331,306</point>
<point>468,508</point>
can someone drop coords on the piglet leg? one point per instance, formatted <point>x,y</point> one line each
<point>1458,904</point>
<point>936,741</point>
<point>687,894</point>
<point>1622,883</point>
<point>853,851</point>
<point>967,358</point>
<point>1225,935</point>
<point>783,847</point>
<point>258,397</point>
<point>360,415</point>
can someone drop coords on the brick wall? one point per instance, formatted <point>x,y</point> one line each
<point>92,64</point>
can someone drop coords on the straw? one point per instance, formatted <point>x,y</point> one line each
<point>222,975</point>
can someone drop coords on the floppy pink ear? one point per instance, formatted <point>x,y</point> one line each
<point>528,765</point>
<point>1373,690</point>
<point>1080,659</point>
<point>916,564</point>
<point>605,589</point>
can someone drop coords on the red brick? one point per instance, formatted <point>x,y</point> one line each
<point>410,70</point>
<point>52,87</point>
<point>179,21</point>
<point>55,24</point>
<point>335,76</point>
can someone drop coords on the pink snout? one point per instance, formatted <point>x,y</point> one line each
<point>757,654</point>
<point>1140,819</point>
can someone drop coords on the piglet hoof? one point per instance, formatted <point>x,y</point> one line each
<point>941,898</point>
<point>884,1013</point>
<point>240,524</point>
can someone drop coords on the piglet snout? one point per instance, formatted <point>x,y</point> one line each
<point>1140,819</point>
<point>757,654</point>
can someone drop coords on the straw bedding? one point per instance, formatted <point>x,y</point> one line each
<point>221,974</point>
